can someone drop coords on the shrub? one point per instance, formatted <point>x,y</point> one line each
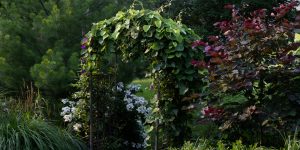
<point>291,144</point>
<point>253,73</point>
<point>19,132</point>
<point>122,117</point>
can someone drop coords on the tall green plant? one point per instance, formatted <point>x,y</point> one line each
<point>19,132</point>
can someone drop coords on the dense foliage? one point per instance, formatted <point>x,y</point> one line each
<point>250,64</point>
<point>200,15</point>
<point>254,69</point>
<point>29,30</point>
<point>165,44</point>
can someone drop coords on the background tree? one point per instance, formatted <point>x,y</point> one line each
<point>29,28</point>
<point>202,14</point>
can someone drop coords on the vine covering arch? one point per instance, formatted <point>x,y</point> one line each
<point>166,44</point>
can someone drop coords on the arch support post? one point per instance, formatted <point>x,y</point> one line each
<point>91,111</point>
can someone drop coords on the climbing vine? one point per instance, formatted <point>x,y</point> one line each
<point>166,44</point>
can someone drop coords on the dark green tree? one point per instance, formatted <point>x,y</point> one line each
<point>29,28</point>
<point>202,14</point>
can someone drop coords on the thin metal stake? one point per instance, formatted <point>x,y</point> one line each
<point>156,135</point>
<point>91,111</point>
<point>157,121</point>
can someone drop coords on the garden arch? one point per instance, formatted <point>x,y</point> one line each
<point>167,46</point>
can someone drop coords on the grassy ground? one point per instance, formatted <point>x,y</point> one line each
<point>145,87</point>
<point>297,37</point>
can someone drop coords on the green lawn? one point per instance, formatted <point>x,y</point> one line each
<point>145,87</point>
<point>297,37</point>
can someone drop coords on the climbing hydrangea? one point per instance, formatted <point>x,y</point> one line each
<point>137,104</point>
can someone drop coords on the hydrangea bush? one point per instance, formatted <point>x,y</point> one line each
<point>128,117</point>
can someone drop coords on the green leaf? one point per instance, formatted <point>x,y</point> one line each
<point>146,28</point>
<point>103,32</point>
<point>190,78</point>
<point>171,119</point>
<point>233,100</point>
<point>134,34</point>
<point>174,44</point>
<point>203,72</point>
<point>93,57</point>
<point>156,45</point>
<point>190,71</point>
<point>150,129</point>
<point>178,55</point>
<point>171,56</point>
<point>118,27</point>
<point>115,35</point>
<point>182,89</point>
<point>155,110</point>
<point>157,23</point>
<point>147,50</point>
<point>179,47</point>
<point>175,112</point>
<point>176,71</point>
<point>149,34</point>
<point>159,36</point>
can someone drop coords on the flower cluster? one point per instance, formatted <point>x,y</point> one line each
<point>212,113</point>
<point>69,112</point>
<point>77,127</point>
<point>133,102</point>
<point>84,42</point>
<point>120,87</point>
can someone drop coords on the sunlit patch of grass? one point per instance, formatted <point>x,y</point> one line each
<point>145,87</point>
<point>297,37</point>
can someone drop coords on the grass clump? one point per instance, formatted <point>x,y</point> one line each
<point>19,132</point>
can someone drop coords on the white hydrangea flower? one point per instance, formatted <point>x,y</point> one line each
<point>138,145</point>
<point>128,100</point>
<point>68,118</point>
<point>144,135</point>
<point>142,109</point>
<point>129,107</point>
<point>126,142</point>
<point>127,93</point>
<point>64,101</point>
<point>65,110</point>
<point>140,101</point>
<point>77,127</point>
<point>73,110</point>
<point>72,103</point>
<point>134,87</point>
<point>133,144</point>
<point>80,102</point>
<point>120,87</point>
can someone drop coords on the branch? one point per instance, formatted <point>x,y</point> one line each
<point>45,9</point>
